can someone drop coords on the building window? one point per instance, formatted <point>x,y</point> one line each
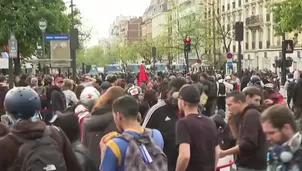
<point>222,8</point>
<point>260,39</point>
<point>247,40</point>
<point>268,33</point>
<point>218,11</point>
<point>234,5</point>
<point>233,17</point>
<point>240,16</point>
<point>228,7</point>
<point>234,48</point>
<point>268,17</point>
<point>260,35</point>
<point>246,1</point>
<point>260,44</point>
<point>260,9</point>
<point>239,3</point>
<point>247,12</point>
<point>253,11</point>
<point>253,40</point>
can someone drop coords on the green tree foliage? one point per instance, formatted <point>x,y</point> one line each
<point>22,18</point>
<point>95,55</point>
<point>144,49</point>
<point>181,23</point>
<point>287,16</point>
<point>122,52</point>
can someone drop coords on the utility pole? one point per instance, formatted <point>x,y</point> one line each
<point>283,60</point>
<point>73,44</point>
<point>214,35</point>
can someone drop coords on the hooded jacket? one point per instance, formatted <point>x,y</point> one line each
<point>96,126</point>
<point>58,100</point>
<point>297,94</point>
<point>32,130</point>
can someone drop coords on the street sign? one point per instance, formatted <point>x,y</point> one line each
<point>230,64</point>
<point>229,55</point>
<point>288,46</point>
<point>13,46</point>
<point>42,24</point>
<point>51,37</point>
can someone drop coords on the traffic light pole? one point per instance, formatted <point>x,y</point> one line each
<point>283,61</point>
<point>239,60</point>
<point>186,53</point>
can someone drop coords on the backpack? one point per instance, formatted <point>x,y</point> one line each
<point>212,90</point>
<point>42,154</point>
<point>143,154</point>
<point>290,88</point>
<point>221,89</point>
<point>42,92</point>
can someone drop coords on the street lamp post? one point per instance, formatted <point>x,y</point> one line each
<point>43,26</point>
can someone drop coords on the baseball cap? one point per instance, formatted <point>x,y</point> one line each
<point>189,94</point>
<point>59,79</point>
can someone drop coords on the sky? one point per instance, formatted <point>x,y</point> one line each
<point>99,14</point>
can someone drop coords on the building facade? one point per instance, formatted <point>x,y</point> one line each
<point>117,28</point>
<point>155,18</point>
<point>132,30</point>
<point>159,17</point>
<point>147,22</point>
<point>260,46</point>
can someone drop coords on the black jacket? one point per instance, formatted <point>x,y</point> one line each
<point>99,124</point>
<point>84,159</point>
<point>252,140</point>
<point>58,100</point>
<point>297,94</point>
<point>163,116</point>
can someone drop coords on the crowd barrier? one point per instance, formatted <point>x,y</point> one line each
<point>229,165</point>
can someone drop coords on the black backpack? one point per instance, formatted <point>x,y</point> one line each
<point>290,88</point>
<point>212,90</point>
<point>42,154</point>
<point>221,89</point>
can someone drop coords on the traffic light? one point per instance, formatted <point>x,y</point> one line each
<point>188,44</point>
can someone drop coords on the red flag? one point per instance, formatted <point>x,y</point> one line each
<point>142,75</point>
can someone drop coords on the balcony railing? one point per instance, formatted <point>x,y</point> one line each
<point>254,21</point>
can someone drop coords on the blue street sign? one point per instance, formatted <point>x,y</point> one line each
<point>230,64</point>
<point>50,37</point>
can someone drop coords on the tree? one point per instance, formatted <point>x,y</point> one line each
<point>22,17</point>
<point>84,33</point>
<point>287,16</point>
<point>144,49</point>
<point>92,56</point>
<point>181,24</point>
<point>225,33</point>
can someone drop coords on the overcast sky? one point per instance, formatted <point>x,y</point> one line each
<point>99,14</point>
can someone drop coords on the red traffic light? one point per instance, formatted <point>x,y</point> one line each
<point>188,40</point>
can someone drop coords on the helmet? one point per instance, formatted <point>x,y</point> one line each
<point>22,102</point>
<point>255,79</point>
<point>269,86</point>
<point>89,94</point>
<point>134,91</point>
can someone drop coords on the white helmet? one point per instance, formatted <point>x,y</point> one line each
<point>89,94</point>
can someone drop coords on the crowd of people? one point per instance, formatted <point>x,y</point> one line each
<point>170,122</point>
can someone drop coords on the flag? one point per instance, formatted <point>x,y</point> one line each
<point>142,75</point>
